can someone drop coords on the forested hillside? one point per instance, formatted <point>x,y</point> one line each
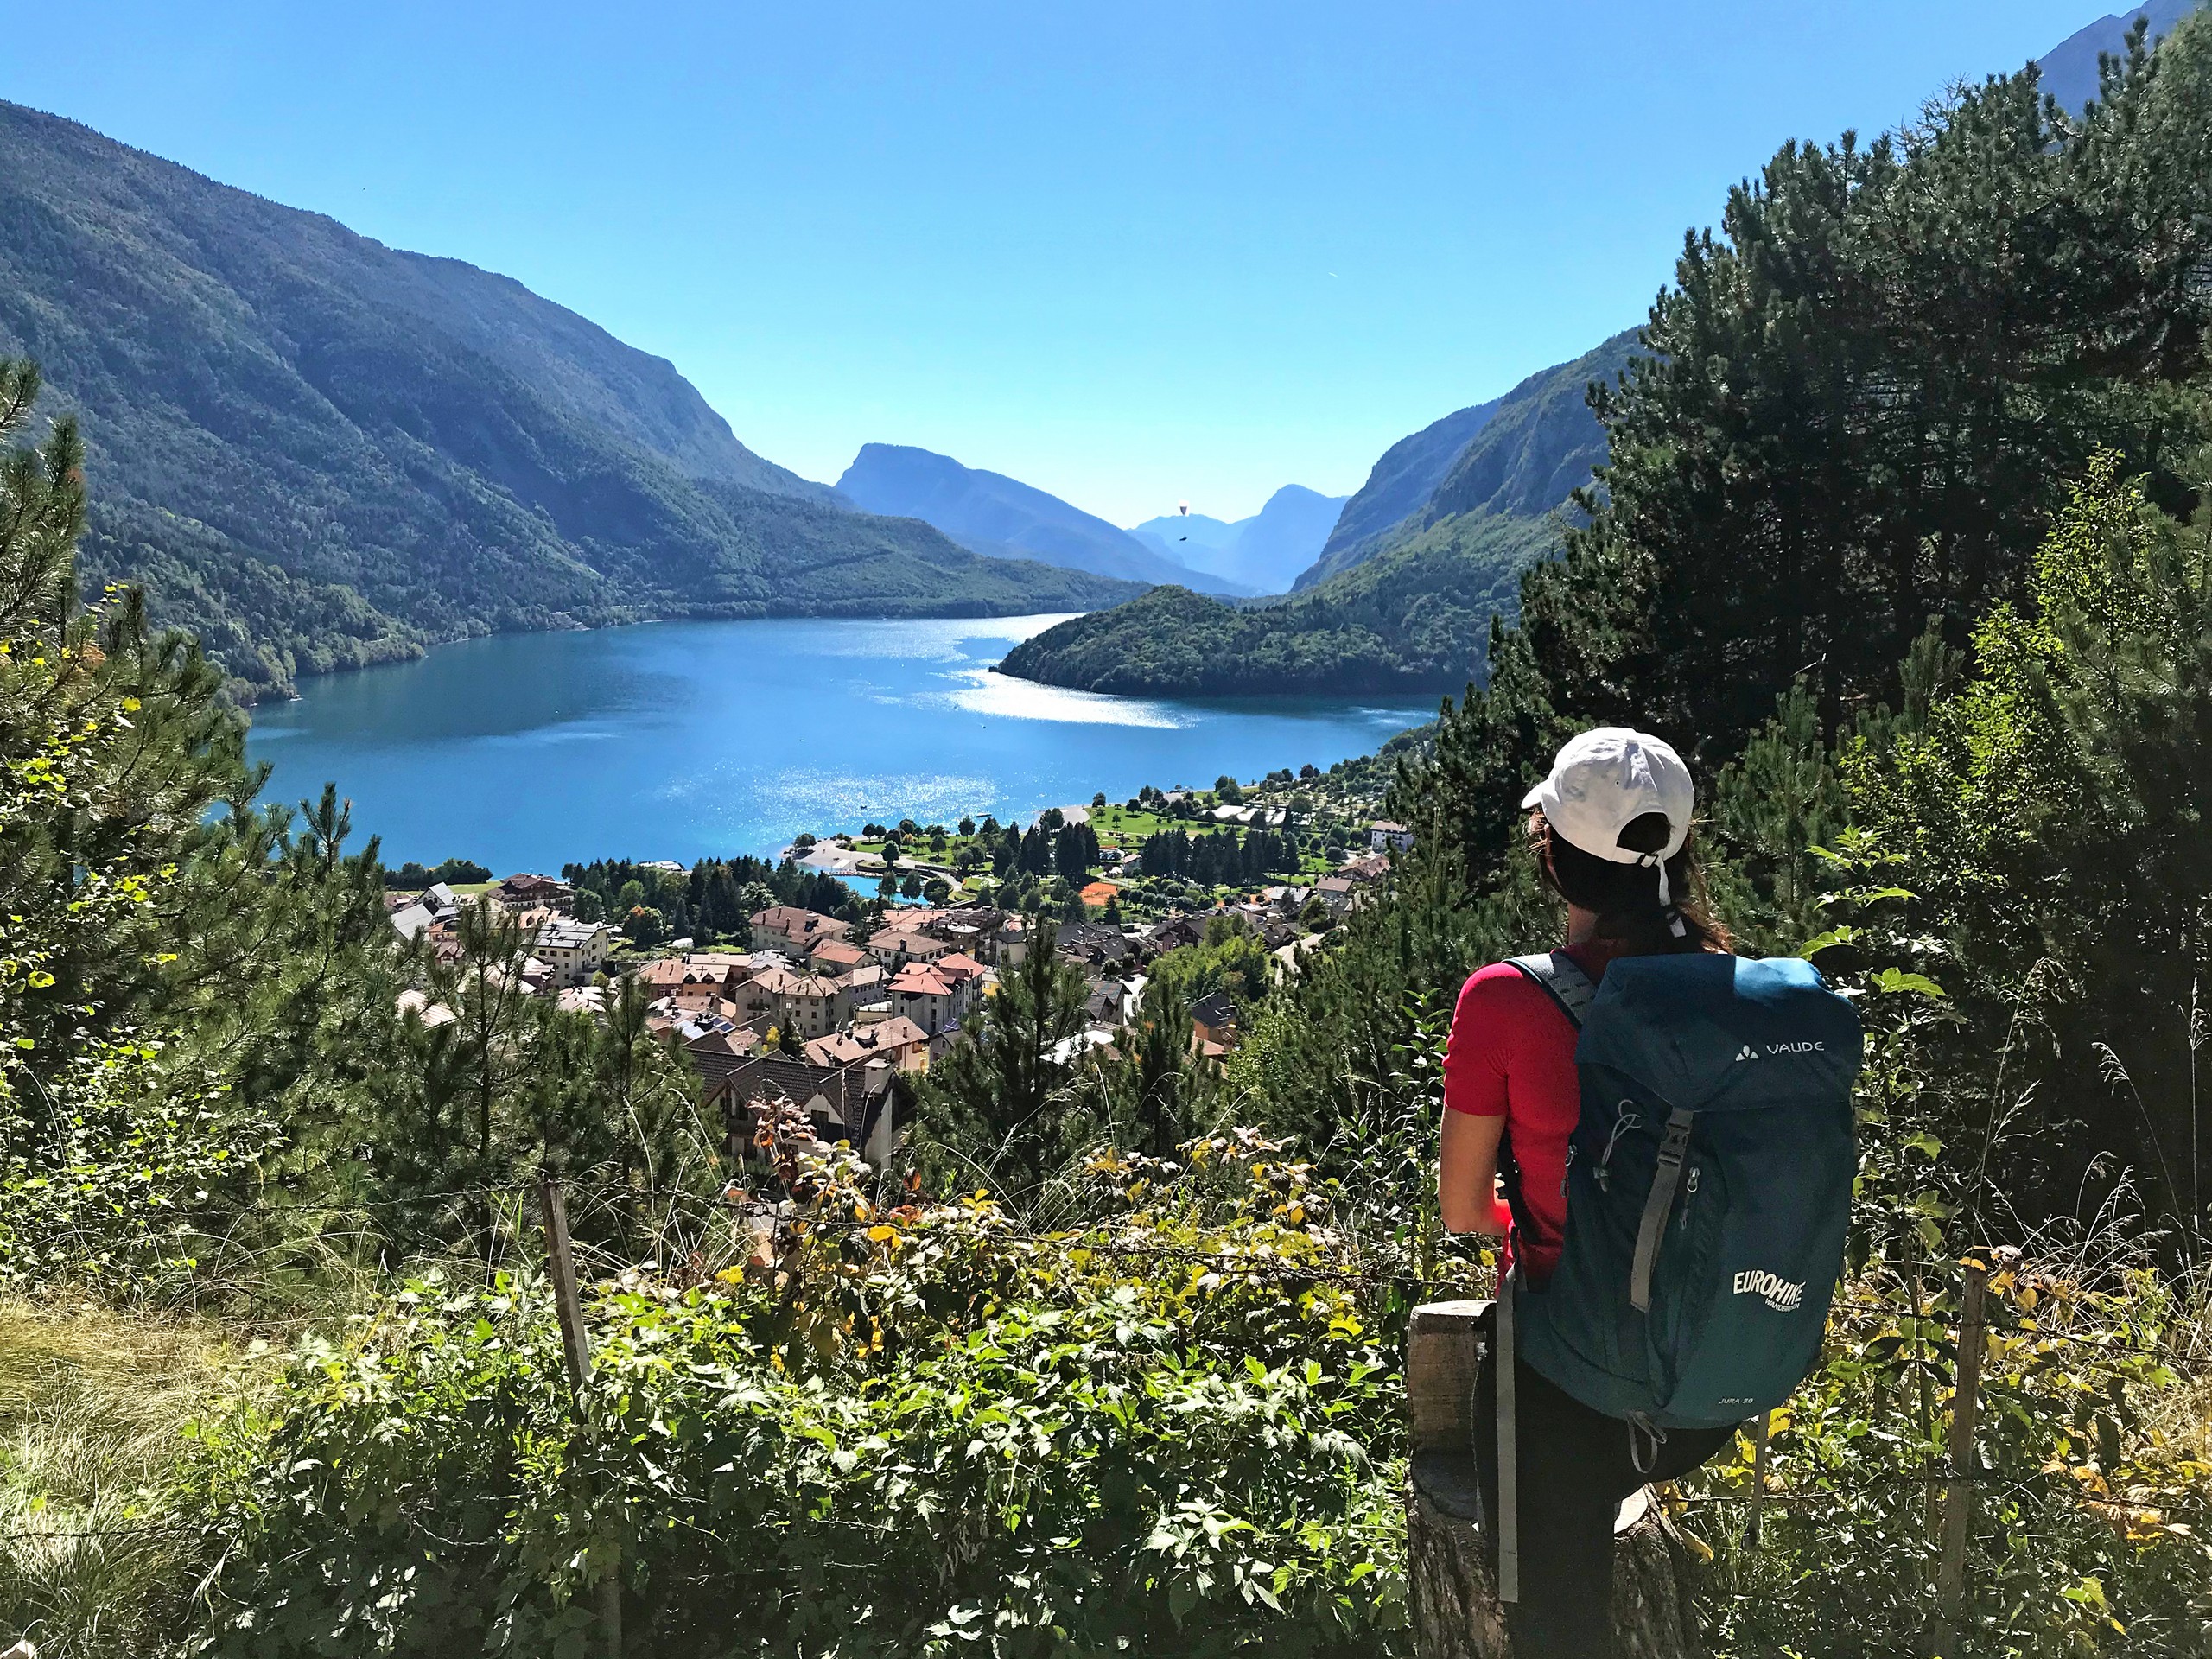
<point>1413,619</point>
<point>1521,456</point>
<point>317,452</point>
<point>1903,537</point>
<point>1403,597</point>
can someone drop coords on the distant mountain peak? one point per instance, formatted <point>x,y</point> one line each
<point>991,513</point>
<point>1262,552</point>
<point>2069,70</point>
<point>1520,455</point>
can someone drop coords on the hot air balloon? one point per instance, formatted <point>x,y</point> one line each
<point>1182,507</point>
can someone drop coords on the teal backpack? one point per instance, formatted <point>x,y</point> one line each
<point>1709,1186</point>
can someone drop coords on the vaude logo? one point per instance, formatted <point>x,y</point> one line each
<point>1747,1052</point>
<point>1779,1293</point>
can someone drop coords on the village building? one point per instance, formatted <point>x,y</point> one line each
<point>696,996</point>
<point>897,1039</point>
<point>803,1005</point>
<point>432,1014</point>
<point>526,891</point>
<point>894,947</point>
<point>914,918</point>
<point>1213,1025</point>
<point>1385,836</point>
<point>1094,944</point>
<point>1175,933</point>
<point>533,978</point>
<point>1368,867</point>
<point>573,950</point>
<point>932,1000</point>
<point>749,1003</point>
<point>413,916</point>
<point>717,1048</point>
<point>583,999</point>
<point>710,1033</point>
<point>958,965</point>
<point>1069,1049</point>
<point>720,972</point>
<point>786,927</point>
<point>1337,892</point>
<point>852,1104</point>
<point>971,928</point>
<point>1131,989</point>
<point>1102,1002</point>
<point>836,957</point>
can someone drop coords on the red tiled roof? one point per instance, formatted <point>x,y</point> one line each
<point>914,980</point>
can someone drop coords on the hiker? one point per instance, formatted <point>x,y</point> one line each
<point>1599,1220</point>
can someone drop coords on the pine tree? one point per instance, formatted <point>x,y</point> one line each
<point>1157,1094</point>
<point>1007,1109</point>
<point>2054,816</point>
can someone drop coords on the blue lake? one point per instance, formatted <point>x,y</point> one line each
<point>681,740</point>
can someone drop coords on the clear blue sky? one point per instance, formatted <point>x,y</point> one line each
<point>1130,253</point>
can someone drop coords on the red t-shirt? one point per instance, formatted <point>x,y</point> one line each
<point>1512,1055</point>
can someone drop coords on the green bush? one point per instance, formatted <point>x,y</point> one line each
<point>922,1435</point>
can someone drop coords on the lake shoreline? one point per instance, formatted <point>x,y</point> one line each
<point>695,739</point>
<point>249,696</point>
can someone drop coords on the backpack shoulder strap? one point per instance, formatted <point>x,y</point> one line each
<point>1568,984</point>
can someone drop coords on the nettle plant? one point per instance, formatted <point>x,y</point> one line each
<point>905,1429</point>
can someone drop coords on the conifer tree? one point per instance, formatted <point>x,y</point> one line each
<point>1007,1107</point>
<point>1157,1094</point>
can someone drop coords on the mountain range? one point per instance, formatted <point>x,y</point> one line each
<point>1264,552</point>
<point>1400,599</point>
<point>317,452</point>
<point>1518,456</point>
<point>2070,69</point>
<point>1001,517</point>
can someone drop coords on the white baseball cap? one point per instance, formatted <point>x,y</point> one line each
<point>1603,780</point>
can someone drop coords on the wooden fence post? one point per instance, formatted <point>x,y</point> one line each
<point>1958,1495</point>
<point>1934,1506</point>
<point>1762,1427</point>
<point>566,1302</point>
<point>1456,1612</point>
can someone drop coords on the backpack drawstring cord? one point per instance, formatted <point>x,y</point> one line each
<point>1644,1440</point>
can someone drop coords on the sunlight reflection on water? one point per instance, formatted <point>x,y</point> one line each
<point>983,691</point>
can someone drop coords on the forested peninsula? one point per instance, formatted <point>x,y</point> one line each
<point>1414,618</point>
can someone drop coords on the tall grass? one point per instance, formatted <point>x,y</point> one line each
<point>94,1403</point>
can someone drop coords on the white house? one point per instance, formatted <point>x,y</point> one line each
<point>573,950</point>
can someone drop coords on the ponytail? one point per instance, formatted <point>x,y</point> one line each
<point>1627,897</point>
